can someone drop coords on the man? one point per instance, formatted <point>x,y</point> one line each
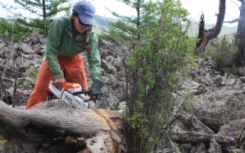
<point>67,38</point>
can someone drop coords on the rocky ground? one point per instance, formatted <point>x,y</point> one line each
<point>29,55</point>
<point>215,123</point>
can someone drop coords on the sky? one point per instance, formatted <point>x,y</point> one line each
<point>195,8</point>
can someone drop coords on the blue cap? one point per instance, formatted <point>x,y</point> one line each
<point>86,12</point>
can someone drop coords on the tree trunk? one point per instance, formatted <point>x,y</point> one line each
<point>240,38</point>
<point>211,33</point>
<point>201,30</point>
<point>59,126</point>
<point>44,19</point>
<point>138,23</point>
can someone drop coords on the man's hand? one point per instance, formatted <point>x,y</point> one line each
<point>96,86</point>
<point>60,82</point>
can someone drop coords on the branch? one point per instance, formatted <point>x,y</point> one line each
<point>235,4</point>
<point>212,33</point>
<point>233,21</point>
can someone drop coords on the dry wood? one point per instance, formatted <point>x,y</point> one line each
<point>241,35</point>
<point>211,33</point>
<point>55,126</point>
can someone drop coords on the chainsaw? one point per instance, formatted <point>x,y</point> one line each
<point>74,92</point>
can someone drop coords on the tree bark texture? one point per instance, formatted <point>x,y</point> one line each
<point>44,19</point>
<point>211,33</point>
<point>59,126</point>
<point>241,35</point>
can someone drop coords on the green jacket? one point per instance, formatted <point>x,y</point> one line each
<point>61,42</point>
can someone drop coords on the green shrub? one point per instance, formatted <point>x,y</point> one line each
<point>152,74</point>
<point>223,53</point>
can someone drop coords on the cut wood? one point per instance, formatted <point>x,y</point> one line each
<point>57,126</point>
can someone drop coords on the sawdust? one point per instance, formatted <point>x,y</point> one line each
<point>106,116</point>
<point>108,122</point>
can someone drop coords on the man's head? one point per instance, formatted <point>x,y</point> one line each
<point>83,15</point>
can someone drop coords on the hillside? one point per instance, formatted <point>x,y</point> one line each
<point>102,22</point>
<point>193,30</point>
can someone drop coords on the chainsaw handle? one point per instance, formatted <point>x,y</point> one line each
<point>54,90</point>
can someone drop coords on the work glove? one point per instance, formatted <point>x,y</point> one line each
<point>96,86</point>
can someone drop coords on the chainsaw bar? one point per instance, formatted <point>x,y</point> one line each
<point>93,96</point>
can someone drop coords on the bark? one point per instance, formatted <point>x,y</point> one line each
<point>59,126</point>
<point>211,33</point>
<point>241,35</point>
<point>44,19</point>
<point>201,30</point>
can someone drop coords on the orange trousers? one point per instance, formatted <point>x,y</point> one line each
<point>74,73</point>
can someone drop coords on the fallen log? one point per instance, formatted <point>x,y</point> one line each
<point>59,126</point>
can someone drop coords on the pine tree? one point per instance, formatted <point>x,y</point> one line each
<point>46,9</point>
<point>127,28</point>
<point>11,30</point>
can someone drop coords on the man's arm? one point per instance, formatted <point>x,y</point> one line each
<point>53,42</point>
<point>94,58</point>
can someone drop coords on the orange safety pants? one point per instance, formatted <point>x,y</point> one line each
<point>75,73</point>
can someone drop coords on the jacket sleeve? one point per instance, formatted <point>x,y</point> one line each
<point>94,58</point>
<point>53,42</point>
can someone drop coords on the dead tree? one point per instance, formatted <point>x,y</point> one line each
<point>240,38</point>
<point>59,126</point>
<point>207,35</point>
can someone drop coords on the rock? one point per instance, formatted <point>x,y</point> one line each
<point>234,129</point>
<point>200,147</point>
<point>214,147</point>
<point>241,71</point>
<point>198,61</point>
<point>219,107</point>
<point>193,123</point>
<point>185,147</point>
<point>118,63</point>
<point>242,79</point>
<point>25,48</point>
<point>110,69</point>
<point>122,105</point>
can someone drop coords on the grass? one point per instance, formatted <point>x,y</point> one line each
<point>1,142</point>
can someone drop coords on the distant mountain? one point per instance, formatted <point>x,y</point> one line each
<point>193,29</point>
<point>102,22</point>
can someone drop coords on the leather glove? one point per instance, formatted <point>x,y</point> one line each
<point>96,86</point>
